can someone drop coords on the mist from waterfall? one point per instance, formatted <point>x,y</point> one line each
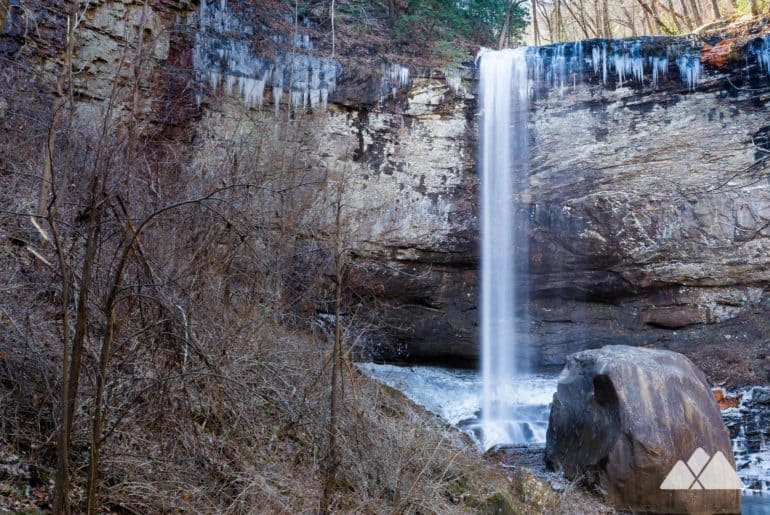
<point>504,97</point>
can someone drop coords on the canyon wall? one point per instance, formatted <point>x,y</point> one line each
<point>648,204</point>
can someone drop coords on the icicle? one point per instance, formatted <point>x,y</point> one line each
<point>295,98</point>
<point>659,68</point>
<point>453,80</point>
<point>394,77</point>
<point>223,58</point>
<point>577,57</point>
<point>763,55</point>
<point>214,80</point>
<point>539,64</point>
<point>230,82</point>
<point>577,62</point>
<point>252,91</point>
<point>748,71</point>
<point>277,85</point>
<point>559,65</point>
<point>604,64</point>
<point>620,68</point>
<point>399,75</point>
<point>690,70</point>
<point>596,59</point>
<point>637,63</point>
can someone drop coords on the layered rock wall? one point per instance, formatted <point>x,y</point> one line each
<point>648,202</point>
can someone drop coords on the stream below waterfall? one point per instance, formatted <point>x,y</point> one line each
<point>456,396</point>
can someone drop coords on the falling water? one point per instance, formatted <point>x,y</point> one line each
<point>504,164</point>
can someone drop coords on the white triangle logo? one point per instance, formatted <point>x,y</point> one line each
<point>702,472</point>
<point>720,475</point>
<point>680,478</point>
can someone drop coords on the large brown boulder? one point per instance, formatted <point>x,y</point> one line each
<point>623,417</point>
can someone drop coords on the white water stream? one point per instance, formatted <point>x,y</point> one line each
<point>456,396</point>
<point>504,94</point>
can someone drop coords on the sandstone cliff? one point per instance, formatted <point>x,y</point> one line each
<point>649,199</point>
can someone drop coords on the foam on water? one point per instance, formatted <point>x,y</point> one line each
<point>456,396</point>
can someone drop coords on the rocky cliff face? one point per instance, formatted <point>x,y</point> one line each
<point>649,200</point>
<point>657,208</point>
<point>647,208</point>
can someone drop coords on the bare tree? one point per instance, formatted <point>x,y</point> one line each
<point>715,9</point>
<point>606,24</point>
<point>535,26</point>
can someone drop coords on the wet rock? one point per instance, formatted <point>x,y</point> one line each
<point>760,395</point>
<point>720,54</point>
<point>636,235</point>
<point>749,426</point>
<point>635,232</point>
<point>724,399</point>
<point>623,417</point>
<point>12,30</point>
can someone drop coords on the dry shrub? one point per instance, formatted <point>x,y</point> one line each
<point>217,382</point>
<point>216,391</point>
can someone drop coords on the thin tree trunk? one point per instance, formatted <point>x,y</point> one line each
<point>535,28</point>
<point>60,501</point>
<point>686,14</point>
<point>392,13</point>
<point>331,457</point>
<point>96,423</point>
<point>606,18</point>
<point>580,19</point>
<point>61,482</point>
<point>715,9</point>
<point>544,16</point>
<point>584,20</point>
<point>597,20</point>
<point>696,12</point>
<point>70,391</point>
<point>501,43</point>
<point>653,15</point>
<point>331,15</point>
<point>656,15</point>
<point>58,105</point>
<point>674,16</point>
<point>631,22</point>
<point>648,22</point>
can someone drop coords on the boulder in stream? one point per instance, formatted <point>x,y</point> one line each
<point>623,418</point>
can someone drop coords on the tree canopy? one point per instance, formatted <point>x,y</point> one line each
<point>479,21</point>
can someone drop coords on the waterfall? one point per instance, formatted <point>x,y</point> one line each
<point>504,92</point>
